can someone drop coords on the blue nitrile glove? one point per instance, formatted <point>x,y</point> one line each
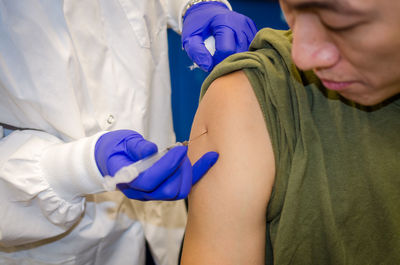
<point>233,32</point>
<point>170,178</point>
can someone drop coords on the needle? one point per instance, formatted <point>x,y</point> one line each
<point>186,143</point>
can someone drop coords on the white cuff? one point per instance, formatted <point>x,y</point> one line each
<point>71,170</point>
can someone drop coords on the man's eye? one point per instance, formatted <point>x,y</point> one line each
<point>335,28</point>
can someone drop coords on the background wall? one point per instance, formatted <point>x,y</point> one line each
<point>186,83</point>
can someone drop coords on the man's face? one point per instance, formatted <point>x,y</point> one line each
<point>352,45</point>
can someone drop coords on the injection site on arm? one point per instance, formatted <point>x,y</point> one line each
<point>227,207</point>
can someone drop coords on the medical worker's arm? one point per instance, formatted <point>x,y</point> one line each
<point>227,208</point>
<point>44,180</point>
<point>36,170</point>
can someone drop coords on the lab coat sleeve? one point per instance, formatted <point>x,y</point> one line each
<point>175,9</point>
<point>42,185</point>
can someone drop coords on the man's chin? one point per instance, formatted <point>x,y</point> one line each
<point>367,100</point>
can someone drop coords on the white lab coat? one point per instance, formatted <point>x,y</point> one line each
<point>69,71</point>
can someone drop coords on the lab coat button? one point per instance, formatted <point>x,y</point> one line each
<point>110,119</point>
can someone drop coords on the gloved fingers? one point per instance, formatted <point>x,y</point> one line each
<point>248,35</point>
<point>131,193</point>
<point>253,29</point>
<point>203,165</point>
<point>153,177</point>
<point>186,185</point>
<point>243,42</point>
<point>234,30</point>
<point>110,146</point>
<point>197,52</point>
<point>168,190</point>
<point>176,187</point>
<point>225,43</point>
<point>138,148</point>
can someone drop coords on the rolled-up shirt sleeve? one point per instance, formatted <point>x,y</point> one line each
<point>43,181</point>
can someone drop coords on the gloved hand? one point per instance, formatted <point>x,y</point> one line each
<point>233,32</point>
<point>170,178</point>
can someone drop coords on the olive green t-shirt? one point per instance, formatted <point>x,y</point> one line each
<point>336,197</point>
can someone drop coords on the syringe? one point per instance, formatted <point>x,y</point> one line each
<point>129,173</point>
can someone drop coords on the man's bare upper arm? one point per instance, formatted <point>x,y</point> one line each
<point>227,207</point>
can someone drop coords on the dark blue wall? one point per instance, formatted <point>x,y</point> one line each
<point>186,83</point>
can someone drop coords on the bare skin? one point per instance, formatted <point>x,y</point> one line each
<point>351,45</point>
<point>227,207</point>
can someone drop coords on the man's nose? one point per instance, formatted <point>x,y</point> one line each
<point>312,47</point>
